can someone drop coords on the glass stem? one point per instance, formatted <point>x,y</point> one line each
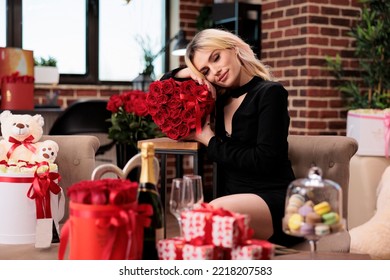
<point>313,246</point>
<point>180,227</point>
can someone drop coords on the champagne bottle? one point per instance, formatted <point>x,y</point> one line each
<point>148,194</point>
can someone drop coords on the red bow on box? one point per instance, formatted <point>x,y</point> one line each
<point>42,185</point>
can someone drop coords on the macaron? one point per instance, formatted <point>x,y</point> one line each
<point>321,229</point>
<point>313,218</point>
<point>330,218</point>
<point>305,209</point>
<point>306,229</point>
<point>296,200</point>
<point>295,221</point>
<point>322,208</point>
<point>291,209</point>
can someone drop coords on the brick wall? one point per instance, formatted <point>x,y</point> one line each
<point>297,36</point>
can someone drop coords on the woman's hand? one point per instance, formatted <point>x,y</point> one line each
<point>186,73</point>
<point>204,136</point>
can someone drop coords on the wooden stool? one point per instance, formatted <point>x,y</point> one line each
<point>165,146</point>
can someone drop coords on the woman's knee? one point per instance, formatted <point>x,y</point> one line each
<point>251,205</point>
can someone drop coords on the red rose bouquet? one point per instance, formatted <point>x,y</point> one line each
<point>130,119</point>
<point>179,108</point>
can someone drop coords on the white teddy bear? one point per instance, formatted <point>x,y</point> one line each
<point>46,151</point>
<point>373,237</point>
<point>20,135</point>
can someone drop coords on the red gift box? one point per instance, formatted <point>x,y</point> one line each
<point>229,231</point>
<point>105,221</point>
<point>253,249</point>
<point>170,248</point>
<point>197,226</point>
<point>179,108</point>
<point>198,252</point>
<point>215,226</point>
<point>17,92</point>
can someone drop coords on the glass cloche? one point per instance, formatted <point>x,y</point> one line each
<point>313,208</point>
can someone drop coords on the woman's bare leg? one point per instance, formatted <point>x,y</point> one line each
<point>252,205</point>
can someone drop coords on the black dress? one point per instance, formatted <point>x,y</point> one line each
<point>254,158</point>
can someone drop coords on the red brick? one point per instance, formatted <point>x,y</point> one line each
<point>284,23</point>
<point>291,32</point>
<point>314,125</point>
<point>330,31</point>
<point>298,124</point>
<point>330,11</point>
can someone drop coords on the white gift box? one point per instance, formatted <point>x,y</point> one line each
<point>371,129</point>
<point>18,212</point>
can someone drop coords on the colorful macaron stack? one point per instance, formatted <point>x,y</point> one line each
<point>305,218</point>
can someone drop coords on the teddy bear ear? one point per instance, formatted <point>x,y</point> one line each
<point>4,115</point>
<point>39,119</point>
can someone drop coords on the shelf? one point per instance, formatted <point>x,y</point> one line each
<point>243,19</point>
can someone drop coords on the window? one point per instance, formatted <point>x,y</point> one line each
<point>94,41</point>
<point>120,53</point>
<point>56,29</point>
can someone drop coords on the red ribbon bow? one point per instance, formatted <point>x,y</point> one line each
<point>126,218</point>
<point>26,142</point>
<point>40,189</point>
<point>194,100</point>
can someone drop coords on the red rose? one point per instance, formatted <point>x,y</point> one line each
<point>167,88</point>
<point>183,129</point>
<point>114,103</point>
<point>158,119</point>
<point>173,134</point>
<point>140,108</point>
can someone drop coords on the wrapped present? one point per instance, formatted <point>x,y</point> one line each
<point>229,231</point>
<point>179,108</point>
<point>215,226</point>
<point>197,226</point>
<point>371,129</point>
<point>171,248</point>
<point>17,92</point>
<point>198,252</point>
<point>253,249</point>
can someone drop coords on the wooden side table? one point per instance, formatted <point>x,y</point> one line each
<point>165,146</point>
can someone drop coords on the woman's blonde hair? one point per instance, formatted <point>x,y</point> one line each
<point>213,39</point>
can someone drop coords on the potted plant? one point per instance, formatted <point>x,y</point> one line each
<point>46,71</point>
<point>368,98</point>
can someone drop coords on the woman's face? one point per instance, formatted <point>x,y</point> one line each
<point>220,67</point>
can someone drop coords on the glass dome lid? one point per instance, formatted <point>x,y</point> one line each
<point>313,207</point>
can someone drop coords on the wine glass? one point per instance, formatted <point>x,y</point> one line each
<point>195,182</point>
<point>313,208</point>
<point>181,199</point>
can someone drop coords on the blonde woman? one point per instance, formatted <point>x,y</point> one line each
<point>249,143</point>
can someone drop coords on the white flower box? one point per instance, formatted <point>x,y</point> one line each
<point>18,212</point>
<point>371,129</point>
<point>46,75</point>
